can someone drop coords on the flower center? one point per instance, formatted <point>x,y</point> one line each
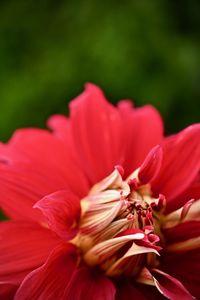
<point>119,228</point>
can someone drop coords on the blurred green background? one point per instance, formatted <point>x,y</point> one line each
<point>147,50</point>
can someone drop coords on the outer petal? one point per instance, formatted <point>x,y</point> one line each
<point>181,163</point>
<point>62,210</point>
<point>41,146</point>
<point>96,128</point>
<point>90,284</point>
<point>170,287</point>
<point>185,267</point>
<point>20,188</point>
<point>182,232</point>
<point>7,291</point>
<point>23,247</point>
<point>35,164</point>
<point>142,130</point>
<point>104,136</point>
<point>192,192</point>
<point>50,280</point>
<point>61,128</point>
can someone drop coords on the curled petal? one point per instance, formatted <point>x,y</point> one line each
<point>106,249</point>
<point>170,287</point>
<point>189,212</point>
<point>97,218</point>
<point>190,244</point>
<point>145,277</point>
<point>113,181</point>
<point>151,165</point>
<point>126,262</point>
<point>113,229</point>
<point>62,210</point>
<point>182,232</point>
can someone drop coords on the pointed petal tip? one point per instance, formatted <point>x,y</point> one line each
<point>151,165</point>
<point>61,210</point>
<point>169,286</point>
<point>120,169</point>
<point>92,88</point>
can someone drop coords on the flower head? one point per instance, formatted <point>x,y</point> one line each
<point>102,207</point>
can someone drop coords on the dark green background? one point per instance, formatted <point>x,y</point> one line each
<point>147,50</point>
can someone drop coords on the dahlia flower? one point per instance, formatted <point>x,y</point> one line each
<point>101,206</point>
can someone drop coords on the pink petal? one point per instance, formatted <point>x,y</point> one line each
<point>23,247</point>
<point>96,127</point>
<point>151,165</point>
<point>89,284</point>
<point>180,166</point>
<point>126,291</point>
<point>62,211</point>
<point>50,280</point>
<point>142,130</point>
<point>170,287</point>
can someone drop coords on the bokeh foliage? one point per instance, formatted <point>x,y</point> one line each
<point>147,50</point>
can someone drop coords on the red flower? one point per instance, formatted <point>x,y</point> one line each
<point>77,232</point>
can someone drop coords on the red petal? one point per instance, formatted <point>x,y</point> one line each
<point>126,291</point>
<point>60,126</point>
<point>24,246</point>
<point>89,284</point>
<point>7,291</point>
<point>192,192</point>
<point>96,128</point>
<point>185,267</point>
<point>35,164</point>
<point>182,232</point>
<point>180,166</point>
<point>151,165</point>
<point>170,287</point>
<point>143,129</point>
<point>20,188</point>
<point>62,210</point>
<point>42,146</point>
<point>50,280</point>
